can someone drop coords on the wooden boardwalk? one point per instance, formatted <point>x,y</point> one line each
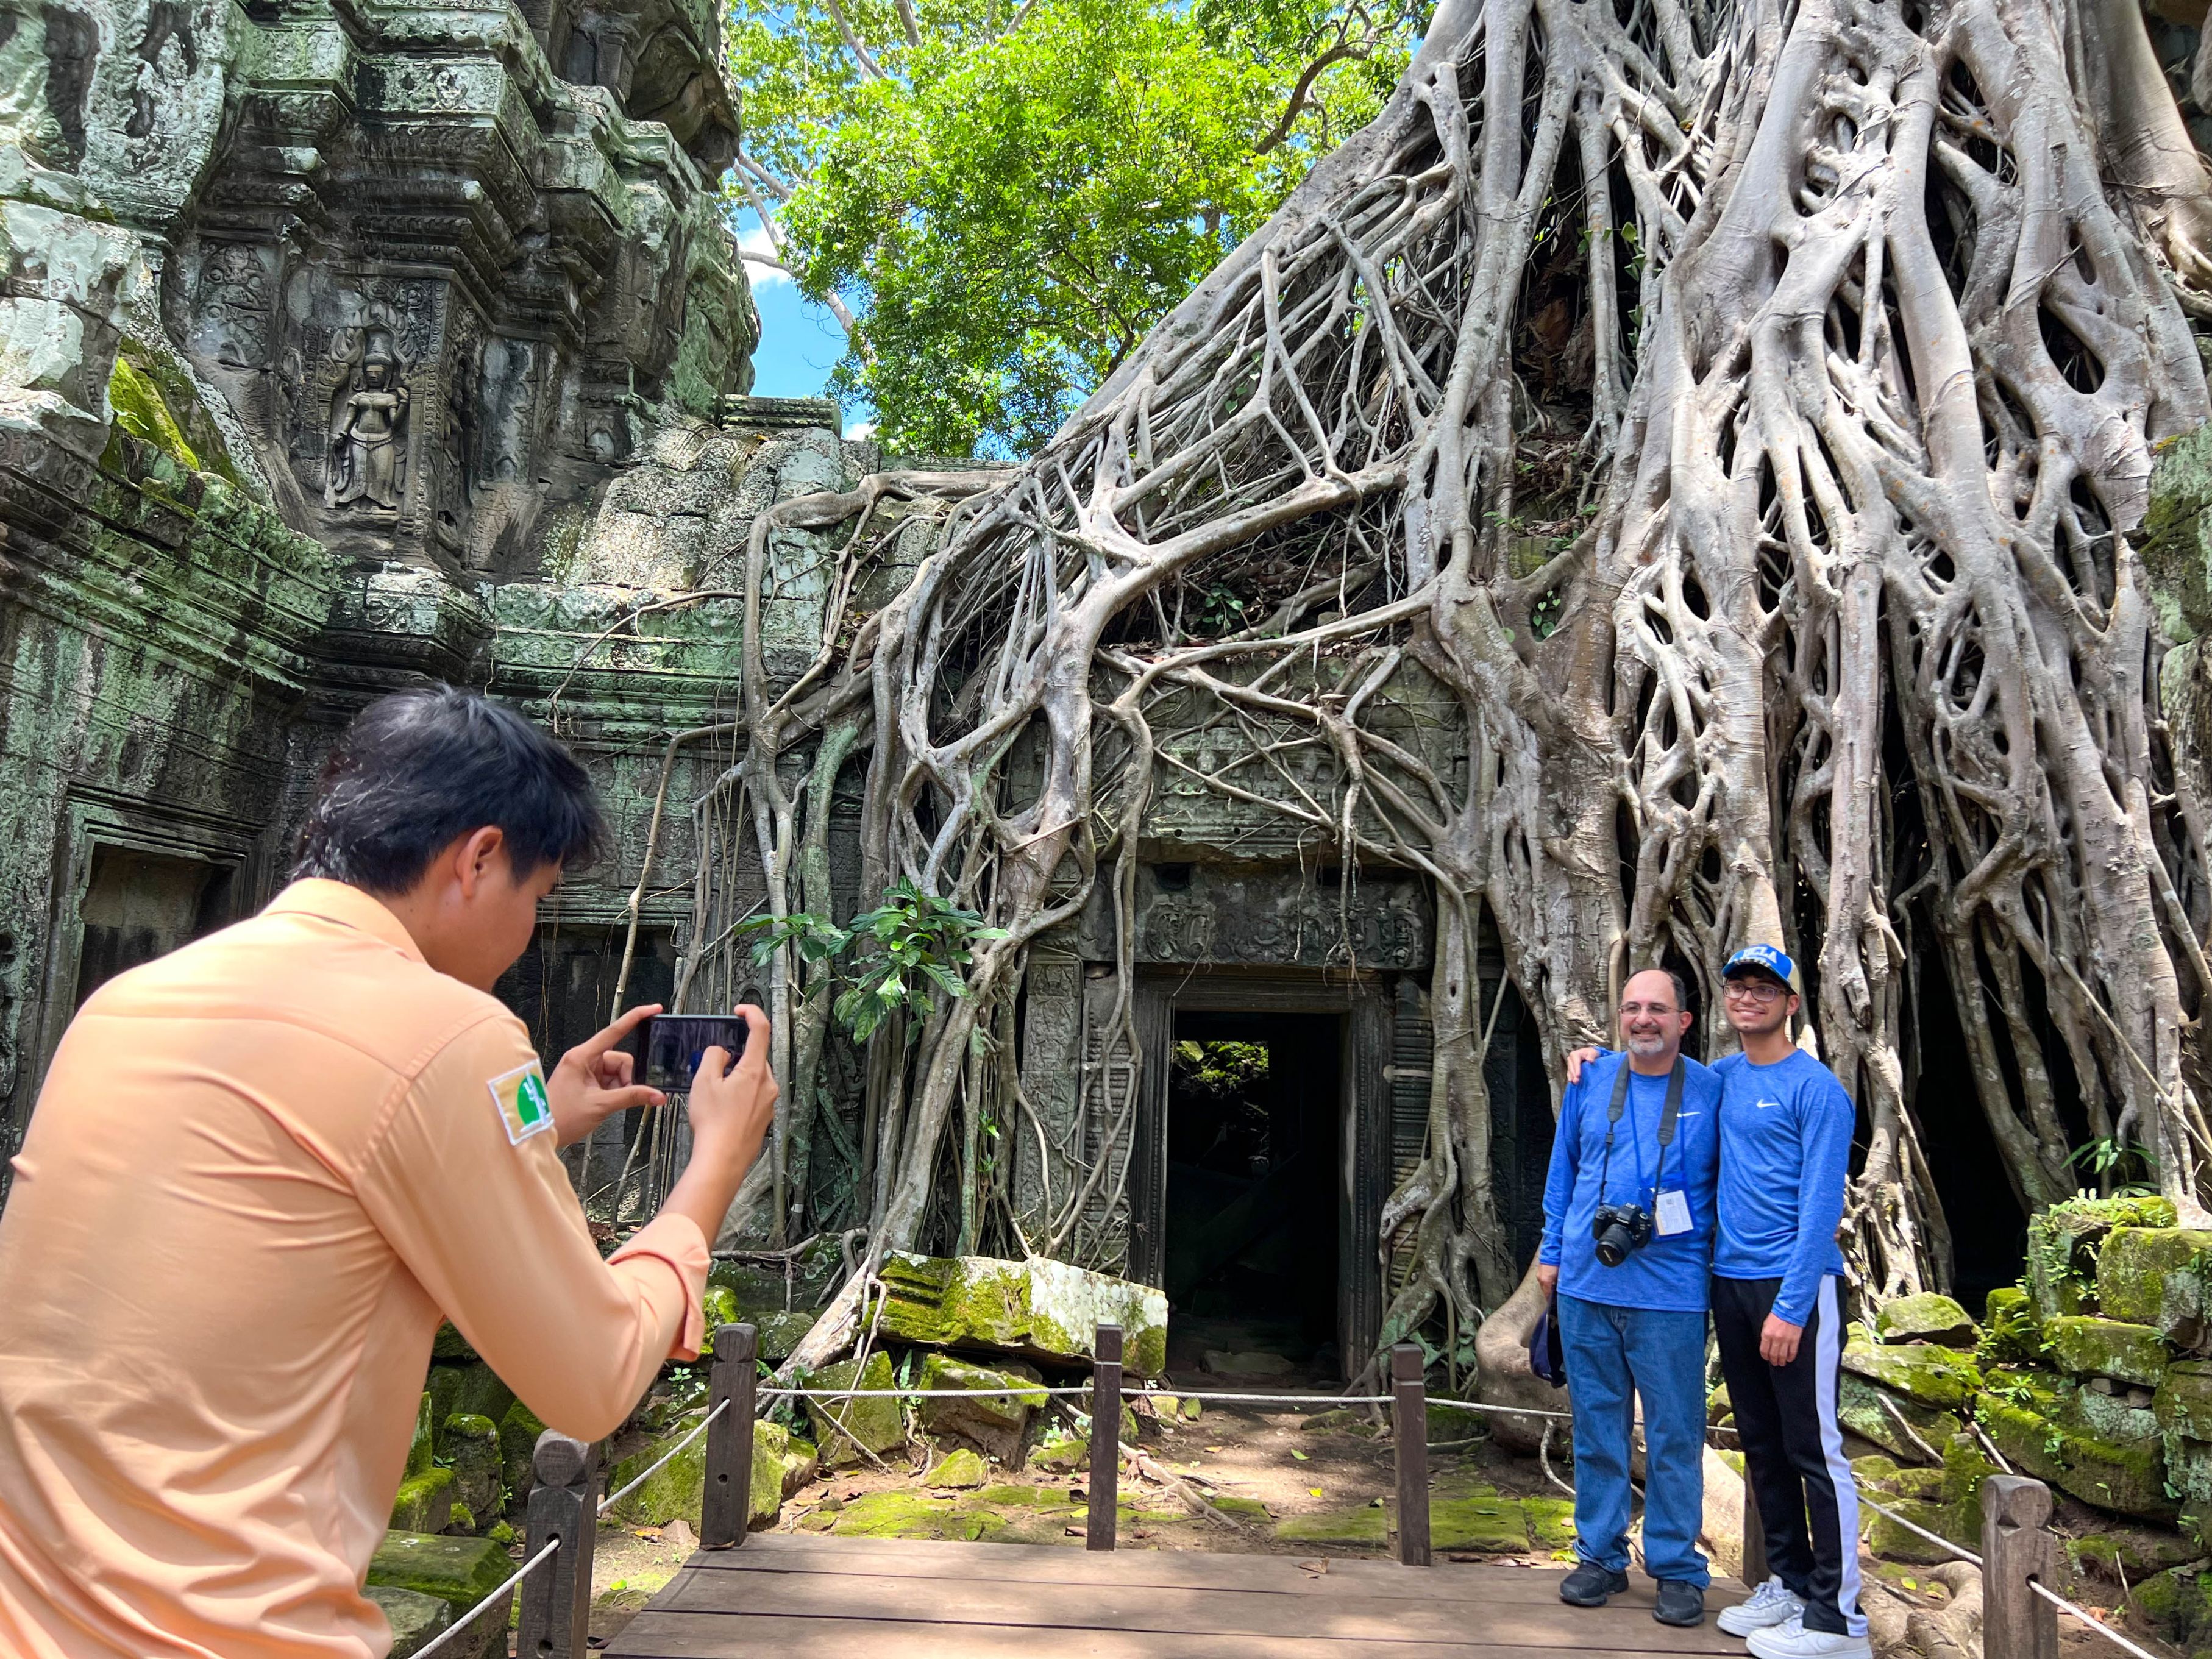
<point>801,1596</point>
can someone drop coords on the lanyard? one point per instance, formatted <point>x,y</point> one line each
<point>1667,1115</point>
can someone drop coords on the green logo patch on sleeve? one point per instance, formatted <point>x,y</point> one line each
<point>520,1097</point>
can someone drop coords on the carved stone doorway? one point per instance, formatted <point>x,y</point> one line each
<point>1325,1106</point>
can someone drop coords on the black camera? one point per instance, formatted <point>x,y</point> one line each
<point>673,1045</point>
<point>1618,1229</point>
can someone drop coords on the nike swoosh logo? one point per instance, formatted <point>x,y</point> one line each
<point>1764,1104</point>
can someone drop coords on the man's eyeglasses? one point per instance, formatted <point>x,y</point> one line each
<point>1657,1010</point>
<point>1761,991</point>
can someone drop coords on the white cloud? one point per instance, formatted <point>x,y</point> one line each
<point>753,243</point>
<point>862,429</point>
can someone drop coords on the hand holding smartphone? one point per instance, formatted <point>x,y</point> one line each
<point>672,1047</point>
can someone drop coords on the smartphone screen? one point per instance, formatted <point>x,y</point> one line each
<point>673,1045</point>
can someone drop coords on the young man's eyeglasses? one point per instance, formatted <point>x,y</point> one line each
<point>1764,992</point>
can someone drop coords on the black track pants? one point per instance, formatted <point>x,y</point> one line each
<point>1786,1415</point>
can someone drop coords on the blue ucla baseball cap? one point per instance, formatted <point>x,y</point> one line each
<point>1764,957</point>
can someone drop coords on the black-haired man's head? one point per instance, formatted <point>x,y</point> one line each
<point>459,814</point>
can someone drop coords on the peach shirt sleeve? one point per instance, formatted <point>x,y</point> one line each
<point>491,1230</point>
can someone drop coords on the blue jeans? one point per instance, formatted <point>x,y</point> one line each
<point>1613,1356</point>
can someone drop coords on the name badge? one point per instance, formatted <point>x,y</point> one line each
<point>1673,1214</point>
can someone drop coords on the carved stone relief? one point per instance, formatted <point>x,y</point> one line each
<point>1202,914</point>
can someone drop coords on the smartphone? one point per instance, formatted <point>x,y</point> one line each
<point>672,1045</point>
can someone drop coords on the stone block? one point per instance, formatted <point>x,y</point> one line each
<point>2010,1333</point>
<point>911,1515</point>
<point>519,1429</point>
<point>425,1502</point>
<point>1941,1377</point>
<point>2062,1243</point>
<point>471,1445</point>
<point>458,1571</point>
<point>958,1470</point>
<point>1872,1412</point>
<point>2183,1401</point>
<point>780,1334</point>
<point>1365,1528</point>
<point>2085,1347</point>
<point>1037,1308</point>
<point>2115,1416</point>
<point>2157,1276</point>
<point>992,1423</point>
<point>2178,1605</point>
<point>1960,1523</point>
<point>423,1450</point>
<point>442,1390</point>
<point>782,1463</point>
<point>1062,1455</point>
<point>480,1393</point>
<point>1487,1525</point>
<point>415,1617</point>
<point>842,1427</point>
<point>1928,1317</point>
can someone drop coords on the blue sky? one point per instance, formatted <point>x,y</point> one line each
<point>801,342</point>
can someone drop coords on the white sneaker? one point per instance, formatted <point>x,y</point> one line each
<point>1793,1641</point>
<point>1771,1603</point>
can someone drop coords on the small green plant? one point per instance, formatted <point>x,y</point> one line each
<point>2123,1168</point>
<point>899,951</point>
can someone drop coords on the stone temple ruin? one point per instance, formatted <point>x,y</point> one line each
<point>349,343</point>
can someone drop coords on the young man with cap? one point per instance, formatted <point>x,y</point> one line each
<point>1628,1229</point>
<point>264,1166</point>
<point>1786,1127</point>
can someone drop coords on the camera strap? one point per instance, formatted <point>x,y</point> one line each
<point>1667,1116</point>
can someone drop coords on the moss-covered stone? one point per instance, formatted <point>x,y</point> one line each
<point>481,1394</point>
<point>1038,1308</point>
<point>996,1418</point>
<point>2177,536</point>
<point>1551,1522</point>
<point>425,1502</point>
<point>1366,1527</point>
<point>2161,1277</point>
<point>2021,1410</point>
<point>1872,1414</point>
<point>458,1571</point>
<point>1941,1377</point>
<point>415,1617</point>
<point>718,1307</point>
<point>1927,1317</point>
<point>472,1450</point>
<point>2129,1555</point>
<point>2010,1334</point>
<point>2183,1403</point>
<point>780,1334</point>
<point>760,1289</point>
<point>2111,1417</point>
<point>841,1427</point>
<point>782,1463</point>
<point>443,1390</point>
<point>2082,1345</point>
<point>1964,1469</point>
<point>422,1449</point>
<point>958,1471</point>
<point>910,1515</point>
<point>1062,1455</point>
<point>1892,1542</point>
<point>1493,1525</point>
<point>2177,1604</point>
<point>450,1345</point>
<point>519,1429</point>
<point>2062,1245</point>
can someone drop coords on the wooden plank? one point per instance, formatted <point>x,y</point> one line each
<point>1168,1612</point>
<point>655,1634</point>
<point>1045,1564</point>
<point>1374,1622</point>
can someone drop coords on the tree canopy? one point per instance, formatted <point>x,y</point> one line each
<point>997,202</point>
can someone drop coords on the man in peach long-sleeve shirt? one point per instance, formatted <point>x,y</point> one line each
<point>261,1170</point>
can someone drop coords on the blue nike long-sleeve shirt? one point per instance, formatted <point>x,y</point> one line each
<point>1667,1273</point>
<point>1785,1156</point>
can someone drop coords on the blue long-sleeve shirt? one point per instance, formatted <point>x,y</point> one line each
<point>1667,1273</point>
<point>1785,1156</point>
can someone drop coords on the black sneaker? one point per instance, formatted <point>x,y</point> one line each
<point>1590,1585</point>
<point>1679,1603</point>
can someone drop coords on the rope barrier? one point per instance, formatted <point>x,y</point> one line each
<point>498,1596</point>
<point>1331,1400</point>
<point>919,1394</point>
<point>1485,1406</point>
<point>614,1498</point>
<point>2096,1625</point>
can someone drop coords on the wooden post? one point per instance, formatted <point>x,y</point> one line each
<point>557,1599</point>
<point>727,1506</point>
<point>1754,1571</point>
<point>2017,1547</point>
<point>1409,1427</point>
<point>1105,1436</point>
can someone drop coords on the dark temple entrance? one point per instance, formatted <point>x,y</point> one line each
<point>1255,1106</point>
